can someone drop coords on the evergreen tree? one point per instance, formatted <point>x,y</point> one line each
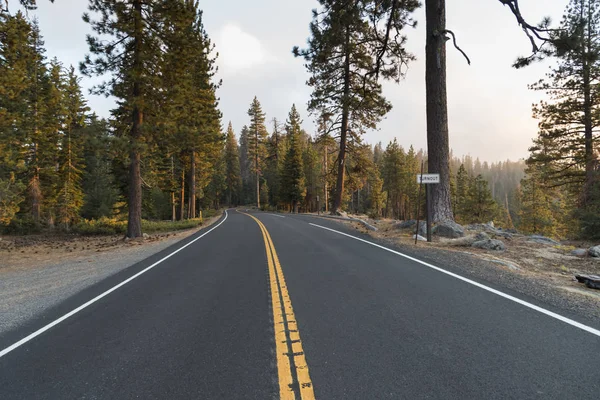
<point>98,180</point>
<point>247,192</point>
<point>461,204</point>
<point>352,45</point>
<point>275,147</point>
<point>232,169</point>
<point>536,215</point>
<point>393,159</point>
<point>481,205</point>
<point>257,136</point>
<point>70,160</point>
<point>292,181</point>
<point>130,50</point>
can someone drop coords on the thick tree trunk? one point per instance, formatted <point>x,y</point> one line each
<point>438,149</point>
<point>134,221</point>
<point>587,114</point>
<point>339,187</point>
<point>192,187</point>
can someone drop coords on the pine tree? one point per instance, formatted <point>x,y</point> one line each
<point>70,161</point>
<point>481,205</point>
<point>232,168</point>
<point>536,215</point>
<point>247,191</point>
<point>257,136</point>
<point>352,45</point>
<point>15,57</point>
<point>130,50</point>
<point>393,160</point>
<point>292,181</point>
<point>275,148</point>
<point>98,179</point>
<point>461,206</point>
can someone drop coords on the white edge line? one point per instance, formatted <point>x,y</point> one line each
<point>275,215</point>
<point>95,299</point>
<point>479,285</point>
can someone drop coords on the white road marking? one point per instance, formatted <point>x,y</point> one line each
<point>479,285</point>
<point>95,299</point>
<point>275,215</point>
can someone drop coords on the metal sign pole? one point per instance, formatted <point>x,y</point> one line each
<point>429,210</point>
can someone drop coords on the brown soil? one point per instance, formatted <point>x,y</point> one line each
<point>17,252</point>
<point>552,263</point>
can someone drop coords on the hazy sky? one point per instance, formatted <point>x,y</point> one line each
<point>489,103</point>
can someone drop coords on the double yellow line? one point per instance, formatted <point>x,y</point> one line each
<point>292,369</point>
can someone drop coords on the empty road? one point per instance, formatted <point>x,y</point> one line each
<point>268,306</point>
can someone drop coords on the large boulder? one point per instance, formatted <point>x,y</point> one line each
<point>449,229</point>
<point>542,240</point>
<point>594,251</point>
<point>490,244</point>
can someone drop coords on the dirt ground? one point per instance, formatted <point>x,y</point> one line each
<point>19,252</point>
<point>552,263</point>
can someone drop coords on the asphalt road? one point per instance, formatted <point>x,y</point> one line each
<point>277,307</point>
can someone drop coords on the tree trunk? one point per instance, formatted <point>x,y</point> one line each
<point>326,194</point>
<point>182,196</point>
<point>256,168</point>
<point>134,221</point>
<point>587,113</point>
<point>173,212</point>
<point>339,187</point>
<point>192,186</point>
<point>438,149</point>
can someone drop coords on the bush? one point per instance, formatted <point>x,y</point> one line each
<point>24,225</point>
<point>101,226</point>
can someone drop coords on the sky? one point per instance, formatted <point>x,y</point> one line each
<point>489,104</point>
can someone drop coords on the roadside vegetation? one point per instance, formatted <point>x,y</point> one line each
<point>164,154</point>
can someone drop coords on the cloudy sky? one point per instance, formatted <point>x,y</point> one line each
<point>489,103</point>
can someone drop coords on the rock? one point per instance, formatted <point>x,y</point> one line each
<point>481,236</point>
<point>466,241</point>
<point>490,244</point>
<point>591,281</point>
<point>491,223</point>
<point>410,224</point>
<point>406,224</point>
<point>594,251</point>
<point>542,240</point>
<point>422,228</point>
<point>419,238</point>
<point>145,235</point>
<point>340,213</point>
<point>579,252</point>
<point>449,229</point>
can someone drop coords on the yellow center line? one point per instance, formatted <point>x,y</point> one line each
<point>285,326</point>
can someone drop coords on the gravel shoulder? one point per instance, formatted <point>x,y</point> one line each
<point>37,273</point>
<point>545,273</point>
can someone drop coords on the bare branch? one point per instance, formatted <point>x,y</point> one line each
<point>455,45</point>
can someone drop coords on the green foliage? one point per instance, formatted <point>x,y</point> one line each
<point>292,180</point>
<point>256,145</point>
<point>233,179</point>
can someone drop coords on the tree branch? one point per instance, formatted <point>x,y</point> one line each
<point>456,46</point>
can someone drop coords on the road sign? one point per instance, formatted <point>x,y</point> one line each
<point>428,178</point>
